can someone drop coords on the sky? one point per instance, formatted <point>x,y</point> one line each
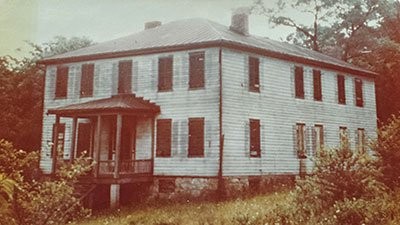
<point>39,21</point>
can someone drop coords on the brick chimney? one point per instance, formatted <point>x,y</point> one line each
<point>240,20</point>
<point>152,24</point>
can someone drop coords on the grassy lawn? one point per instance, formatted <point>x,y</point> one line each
<point>239,211</point>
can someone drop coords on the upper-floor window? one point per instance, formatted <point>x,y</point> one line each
<point>196,137</point>
<point>361,139</point>
<point>255,147</point>
<point>318,138</point>
<point>300,140</point>
<point>299,81</point>
<point>254,74</point>
<point>125,77</point>
<point>341,89</point>
<point>165,73</point>
<point>163,147</point>
<point>317,85</point>
<point>359,92</point>
<point>61,82</point>
<point>196,70</point>
<point>87,73</point>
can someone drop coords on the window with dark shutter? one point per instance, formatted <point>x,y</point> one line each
<point>254,74</point>
<point>299,81</point>
<point>60,138</point>
<point>255,147</point>
<point>87,72</point>
<point>124,77</point>
<point>300,141</point>
<point>163,148</point>
<point>196,137</point>
<point>196,70</point>
<point>317,85</point>
<point>341,89</point>
<point>165,73</point>
<point>61,82</point>
<point>359,92</point>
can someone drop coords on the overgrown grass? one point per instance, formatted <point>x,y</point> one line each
<point>251,210</point>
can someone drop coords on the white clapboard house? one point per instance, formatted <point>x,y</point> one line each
<point>183,105</point>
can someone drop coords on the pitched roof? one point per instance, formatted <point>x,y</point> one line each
<point>192,33</point>
<point>127,103</point>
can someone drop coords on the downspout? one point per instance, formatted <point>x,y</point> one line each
<point>221,186</point>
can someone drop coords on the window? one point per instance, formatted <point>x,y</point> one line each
<point>254,74</point>
<point>60,138</point>
<point>166,186</point>
<point>196,70</point>
<point>196,137</point>
<point>300,140</point>
<point>165,73</point>
<point>299,81</point>
<point>361,139</point>
<point>255,148</point>
<point>317,85</point>
<point>61,82</point>
<point>318,137</point>
<point>163,148</point>
<point>124,77</point>
<point>87,72</point>
<point>359,92</point>
<point>341,89</point>
<point>343,136</point>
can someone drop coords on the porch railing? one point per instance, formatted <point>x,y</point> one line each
<point>107,167</point>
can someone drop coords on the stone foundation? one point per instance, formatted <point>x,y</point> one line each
<point>203,188</point>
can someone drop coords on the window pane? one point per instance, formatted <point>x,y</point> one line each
<point>196,70</point>
<point>254,74</point>
<point>196,137</point>
<point>124,77</point>
<point>255,148</point>
<point>165,73</point>
<point>163,148</point>
<point>61,82</point>
<point>87,72</point>
<point>299,81</point>
<point>359,93</point>
<point>317,85</point>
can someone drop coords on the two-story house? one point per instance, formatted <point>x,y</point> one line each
<point>184,105</point>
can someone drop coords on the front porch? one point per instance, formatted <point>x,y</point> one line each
<point>117,133</point>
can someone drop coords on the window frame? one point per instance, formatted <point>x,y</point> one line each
<point>60,140</point>
<point>358,89</point>
<point>254,74</point>
<point>343,136</point>
<point>318,146</point>
<point>299,82</point>
<point>361,140</point>
<point>125,77</point>
<point>87,80</point>
<point>164,151</point>
<point>193,123</point>
<point>165,73</point>
<point>61,83</point>
<point>341,89</point>
<point>317,85</point>
<point>301,141</point>
<point>196,70</point>
<point>255,135</point>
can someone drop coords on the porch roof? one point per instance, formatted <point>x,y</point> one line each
<point>122,103</point>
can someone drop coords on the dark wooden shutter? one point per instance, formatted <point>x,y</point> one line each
<point>341,89</point>
<point>87,72</point>
<point>61,82</point>
<point>254,74</point>
<point>317,85</point>
<point>359,92</point>
<point>196,70</point>
<point>255,148</point>
<point>125,77</point>
<point>299,81</point>
<point>165,73</point>
<point>163,148</point>
<point>196,137</point>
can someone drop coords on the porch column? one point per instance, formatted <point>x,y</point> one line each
<point>98,147</point>
<point>55,145</point>
<point>153,124</point>
<point>114,195</point>
<point>118,146</point>
<point>73,140</point>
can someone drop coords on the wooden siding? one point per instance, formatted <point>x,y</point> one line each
<point>178,105</point>
<point>279,110</point>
